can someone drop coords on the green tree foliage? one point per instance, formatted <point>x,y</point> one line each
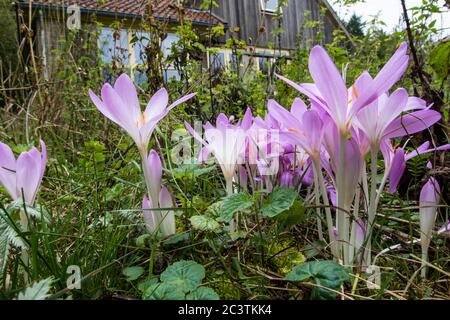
<point>355,26</point>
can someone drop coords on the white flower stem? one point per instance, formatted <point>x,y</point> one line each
<point>352,253</point>
<point>229,186</point>
<point>372,203</point>
<point>333,243</point>
<point>424,267</point>
<point>381,187</point>
<point>318,211</point>
<point>340,199</point>
<point>24,255</point>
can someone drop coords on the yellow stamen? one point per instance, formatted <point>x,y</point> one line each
<point>293,130</point>
<point>355,93</point>
<point>143,117</point>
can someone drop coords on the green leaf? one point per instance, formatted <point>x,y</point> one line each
<point>185,275</point>
<point>325,273</point>
<point>189,171</point>
<point>294,215</point>
<point>177,239</point>
<point>37,212</point>
<point>145,284</point>
<point>38,291</point>
<point>203,293</point>
<point>205,223</point>
<point>440,59</point>
<point>280,200</point>
<point>164,291</point>
<point>132,273</point>
<point>313,249</point>
<point>234,203</point>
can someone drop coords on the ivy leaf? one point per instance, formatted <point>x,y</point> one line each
<point>234,203</point>
<point>185,275</point>
<point>38,291</point>
<point>205,223</point>
<point>203,293</point>
<point>132,273</point>
<point>280,200</point>
<point>325,273</point>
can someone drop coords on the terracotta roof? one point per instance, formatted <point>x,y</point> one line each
<point>162,9</point>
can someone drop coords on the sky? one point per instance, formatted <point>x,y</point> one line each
<point>390,11</point>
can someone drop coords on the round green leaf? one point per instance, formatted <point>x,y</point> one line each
<point>203,293</point>
<point>132,273</point>
<point>163,291</point>
<point>280,200</point>
<point>185,275</point>
<point>205,223</point>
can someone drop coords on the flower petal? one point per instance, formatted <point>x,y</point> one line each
<point>298,108</point>
<point>101,107</point>
<point>28,175</point>
<point>127,91</point>
<point>120,112</point>
<point>397,169</point>
<point>8,170</point>
<point>411,123</point>
<point>247,120</point>
<point>155,170</point>
<point>150,217</point>
<point>386,78</point>
<point>157,104</point>
<point>167,226</point>
<point>329,81</point>
<point>181,100</point>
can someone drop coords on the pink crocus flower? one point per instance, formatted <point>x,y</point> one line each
<point>120,104</point>
<point>22,177</point>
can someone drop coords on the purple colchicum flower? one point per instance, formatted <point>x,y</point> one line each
<point>429,199</point>
<point>225,141</point>
<point>330,93</point>
<point>22,177</point>
<point>395,160</point>
<point>341,127</point>
<point>120,104</point>
<point>163,220</point>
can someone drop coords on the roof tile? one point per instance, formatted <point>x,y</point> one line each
<point>163,9</point>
